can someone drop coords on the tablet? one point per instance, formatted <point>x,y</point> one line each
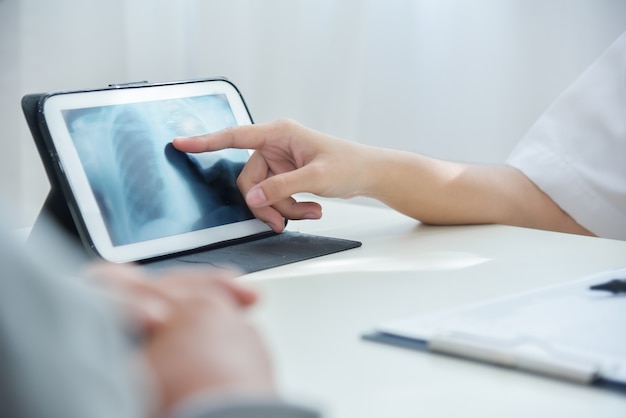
<point>135,195</point>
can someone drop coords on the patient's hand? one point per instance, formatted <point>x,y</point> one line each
<point>197,336</point>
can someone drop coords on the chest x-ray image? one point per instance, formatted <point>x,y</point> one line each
<point>144,187</point>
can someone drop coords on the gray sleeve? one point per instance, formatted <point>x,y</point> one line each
<point>63,351</point>
<point>243,408</point>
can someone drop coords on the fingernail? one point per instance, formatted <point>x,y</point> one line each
<point>256,197</point>
<point>176,141</point>
<point>311,215</point>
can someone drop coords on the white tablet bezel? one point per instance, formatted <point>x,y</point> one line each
<point>82,192</point>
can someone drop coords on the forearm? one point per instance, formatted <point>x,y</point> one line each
<point>447,193</point>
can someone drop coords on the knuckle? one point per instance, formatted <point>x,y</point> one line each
<point>318,171</point>
<point>276,184</point>
<point>241,182</point>
<point>284,124</point>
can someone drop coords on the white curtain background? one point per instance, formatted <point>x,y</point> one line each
<point>455,79</point>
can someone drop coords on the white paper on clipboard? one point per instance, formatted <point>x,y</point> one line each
<point>566,331</point>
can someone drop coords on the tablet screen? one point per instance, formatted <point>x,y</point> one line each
<point>138,195</point>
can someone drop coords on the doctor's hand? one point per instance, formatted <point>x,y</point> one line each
<point>289,159</point>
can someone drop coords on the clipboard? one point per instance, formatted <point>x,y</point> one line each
<point>566,331</point>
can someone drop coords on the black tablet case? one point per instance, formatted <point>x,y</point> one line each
<point>248,254</point>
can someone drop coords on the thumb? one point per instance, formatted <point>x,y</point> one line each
<point>282,186</point>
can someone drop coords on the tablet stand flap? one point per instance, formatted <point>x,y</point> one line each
<point>32,113</point>
<point>55,207</point>
<point>263,253</point>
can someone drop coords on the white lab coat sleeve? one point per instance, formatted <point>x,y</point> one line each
<point>576,151</point>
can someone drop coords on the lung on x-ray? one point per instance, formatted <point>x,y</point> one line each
<point>144,187</point>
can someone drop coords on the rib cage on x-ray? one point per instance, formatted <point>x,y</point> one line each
<point>144,187</point>
<point>139,173</point>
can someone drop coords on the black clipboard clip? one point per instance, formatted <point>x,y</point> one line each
<point>614,286</point>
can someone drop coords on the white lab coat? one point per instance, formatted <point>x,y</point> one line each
<point>576,151</point>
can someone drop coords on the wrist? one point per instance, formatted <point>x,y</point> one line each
<point>379,167</point>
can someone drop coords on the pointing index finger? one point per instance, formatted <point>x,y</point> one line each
<point>241,137</point>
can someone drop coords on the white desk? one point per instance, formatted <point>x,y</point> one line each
<point>313,313</point>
